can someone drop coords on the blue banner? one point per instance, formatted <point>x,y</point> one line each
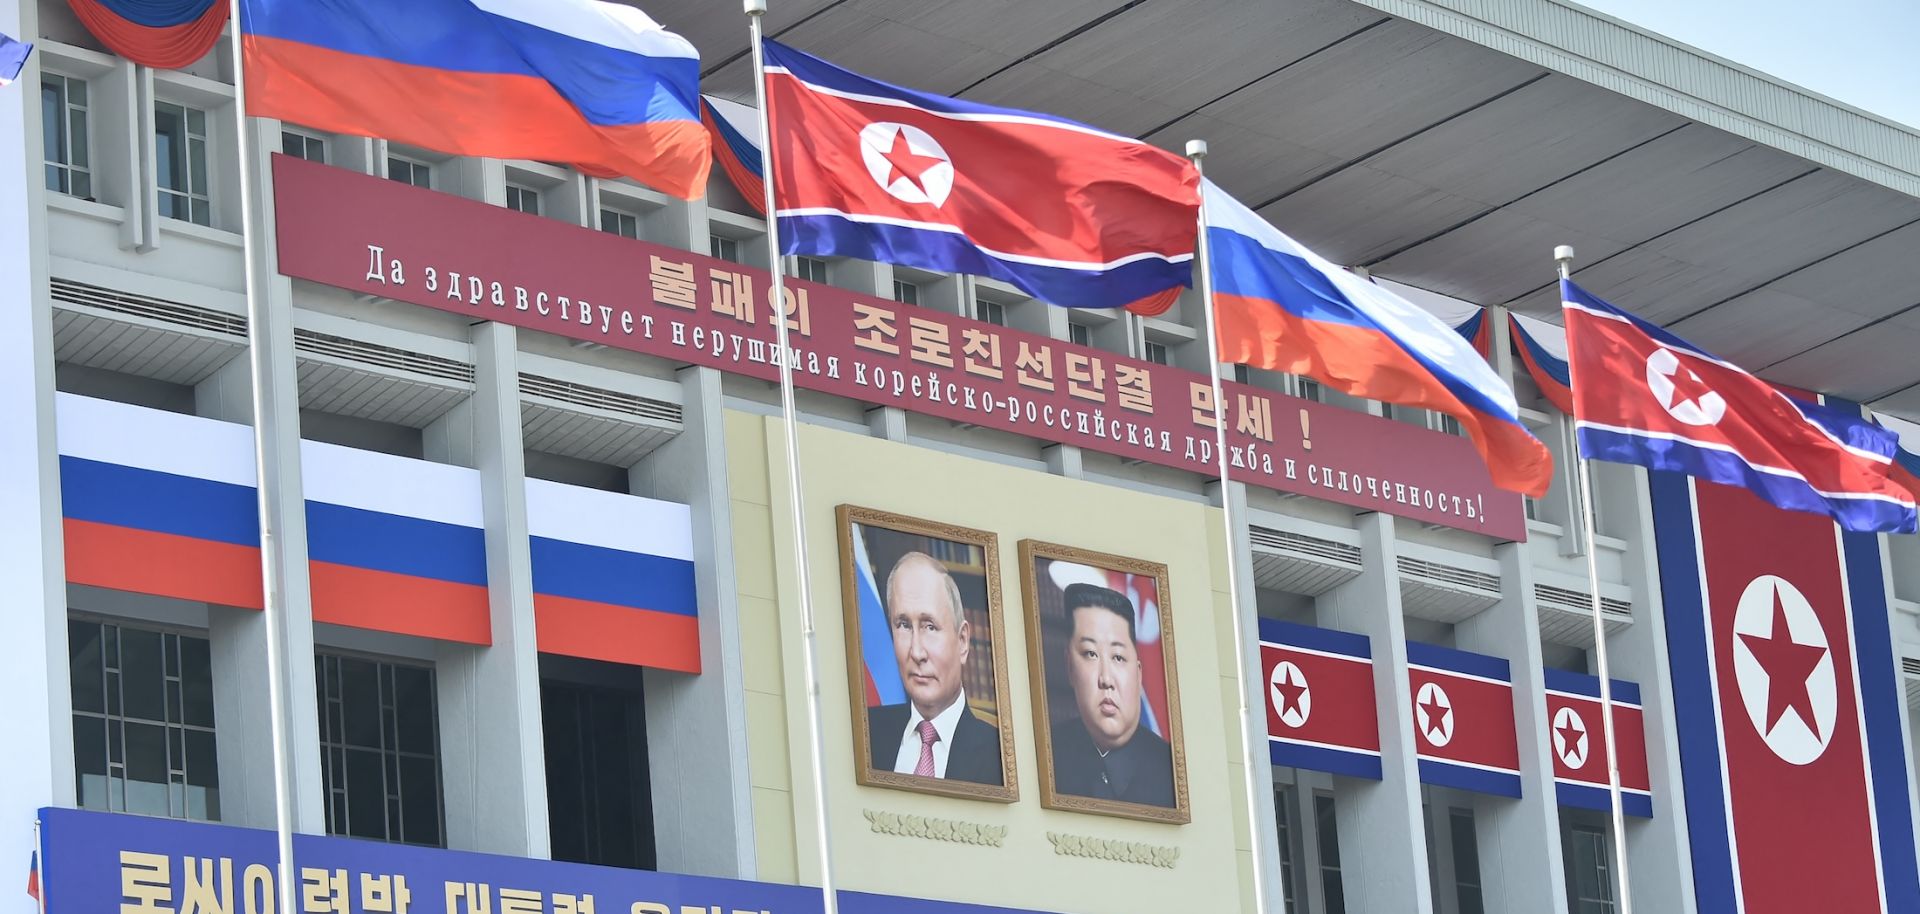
<point>101,862</point>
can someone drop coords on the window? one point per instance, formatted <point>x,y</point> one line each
<point>1324,819</point>
<point>1447,424</point>
<point>1309,389</point>
<point>1243,374</point>
<point>1532,507</point>
<point>615,222</point>
<point>1589,871</point>
<point>1079,334</point>
<point>1156,352</point>
<point>303,146</point>
<point>523,199</point>
<point>180,154</point>
<point>408,171</point>
<point>63,125</point>
<point>906,293</point>
<point>1283,825</point>
<point>1466,861</point>
<point>724,248</point>
<point>599,797</point>
<point>992,312</point>
<point>379,750</point>
<point>811,269</point>
<point>143,721</point>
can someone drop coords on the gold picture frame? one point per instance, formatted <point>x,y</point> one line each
<point>1130,769</point>
<point>872,544</point>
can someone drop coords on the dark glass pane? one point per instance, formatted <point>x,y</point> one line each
<point>1329,826</point>
<point>83,659</point>
<point>90,760</point>
<point>56,179</point>
<point>197,165</point>
<point>168,149</point>
<point>141,679</point>
<point>82,185</point>
<point>420,800</point>
<point>1466,849</point>
<point>196,122</point>
<point>202,213</point>
<point>366,795</point>
<point>147,769</point>
<point>196,678</point>
<point>566,796</point>
<point>203,760</point>
<point>53,142</point>
<point>414,703</point>
<point>360,694</point>
<point>293,144</point>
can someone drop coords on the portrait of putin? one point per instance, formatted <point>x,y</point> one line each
<point>933,733</point>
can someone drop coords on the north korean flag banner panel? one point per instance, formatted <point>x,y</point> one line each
<point>1320,712</point>
<point>1580,745</point>
<point>1463,719</point>
<point>1786,704</point>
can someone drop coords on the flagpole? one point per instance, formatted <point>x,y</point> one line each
<point>1563,256</point>
<point>273,589</point>
<point>829,899</point>
<point>40,867</point>
<point>1196,151</point>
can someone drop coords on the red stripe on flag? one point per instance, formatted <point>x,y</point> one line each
<point>163,564</point>
<point>399,603</point>
<point>600,631</point>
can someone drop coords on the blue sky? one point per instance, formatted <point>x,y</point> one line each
<point>1861,52</point>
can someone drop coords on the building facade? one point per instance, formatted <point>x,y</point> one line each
<point>542,601</point>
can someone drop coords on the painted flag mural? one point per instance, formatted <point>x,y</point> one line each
<point>1648,397</point>
<point>1579,745</point>
<point>580,81</point>
<point>1070,214</point>
<point>1787,706</point>
<point>1463,719</point>
<point>1320,711</point>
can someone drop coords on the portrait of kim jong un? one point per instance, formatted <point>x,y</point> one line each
<point>926,663</point>
<point>1106,703</point>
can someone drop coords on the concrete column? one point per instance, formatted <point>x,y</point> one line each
<point>239,637</point>
<point>1519,840</point>
<point>1262,834</point>
<point>1383,855</point>
<point>1064,460</point>
<point>697,725</point>
<point>1658,848</point>
<point>492,749</point>
<point>33,633</point>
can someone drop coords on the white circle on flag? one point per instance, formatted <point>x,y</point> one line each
<point>1570,741</point>
<point>1681,392</point>
<point>1435,712</point>
<point>1784,669</point>
<point>1286,678</point>
<point>907,162</point>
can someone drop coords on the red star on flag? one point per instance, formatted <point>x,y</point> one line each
<point>1788,664</point>
<point>1570,736</point>
<point>905,163</point>
<point>1436,715</point>
<point>1290,693</point>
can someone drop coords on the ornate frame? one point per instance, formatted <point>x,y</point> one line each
<point>1181,812</point>
<point>989,543</point>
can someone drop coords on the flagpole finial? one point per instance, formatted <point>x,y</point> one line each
<point>1563,253</point>
<point>1196,149</point>
<point>756,7</point>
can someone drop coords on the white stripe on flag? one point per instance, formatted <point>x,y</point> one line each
<point>612,25</point>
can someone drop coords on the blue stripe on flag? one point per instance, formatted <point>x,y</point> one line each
<point>1587,796</point>
<point>742,149</point>
<point>1464,777</point>
<point>601,575</point>
<point>109,493</point>
<point>1880,705</point>
<point>158,14</point>
<point>1420,653</point>
<point>1314,638</point>
<point>1322,758</point>
<point>395,543</point>
<point>1581,684</point>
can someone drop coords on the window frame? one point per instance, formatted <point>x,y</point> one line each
<point>66,167</point>
<point>620,217</point>
<point>173,707</point>
<point>194,196</point>
<point>906,292</point>
<point>805,267</point>
<point>527,196</point>
<point>307,139</point>
<point>336,791</point>
<point>723,247</point>
<point>415,167</point>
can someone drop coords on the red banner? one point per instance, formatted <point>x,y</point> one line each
<point>384,238</point>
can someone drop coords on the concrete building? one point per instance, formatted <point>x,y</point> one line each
<point>541,600</point>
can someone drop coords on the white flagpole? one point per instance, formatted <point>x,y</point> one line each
<point>829,899</point>
<point>273,589</point>
<point>1583,471</point>
<point>40,866</point>
<point>1197,150</point>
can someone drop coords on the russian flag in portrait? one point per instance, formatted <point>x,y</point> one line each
<point>1787,705</point>
<point>883,685</point>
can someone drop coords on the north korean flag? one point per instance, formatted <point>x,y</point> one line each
<point>1644,396</point>
<point>1068,213</point>
<point>1320,710</point>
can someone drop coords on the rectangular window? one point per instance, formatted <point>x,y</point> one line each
<point>180,155</point>
<point>906,293</point>
<point>1466,861</point>
<point>303,146</point>
<point>992,312</point>
<point>811,269</point>
<point>615,222</point>
<point>724,248</point>
<point>523,199</point>
<point>143,721</point>
<point>1156,352</point>
<point>599,796</point>
<point>1283,825</point>
<point>63,126</point>
<point>408,171</point>
<point>1328,824</point>
<point>1309,389</point>
<point>1243,374</point>
<point>1079,334</point>
<point>1589,871</point>
<point>379,750</point>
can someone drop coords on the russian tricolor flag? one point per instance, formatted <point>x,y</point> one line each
<point>581,81</point>
<point>735,130</point>
<point>1284,308</point>
<point>13,58</point>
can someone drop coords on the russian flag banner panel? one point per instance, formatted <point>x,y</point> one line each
<point>1786,703</point>
<point>613,576</point>
<point>1320,712</point>
<point>1580,745</point>
<point>1463,719</point>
